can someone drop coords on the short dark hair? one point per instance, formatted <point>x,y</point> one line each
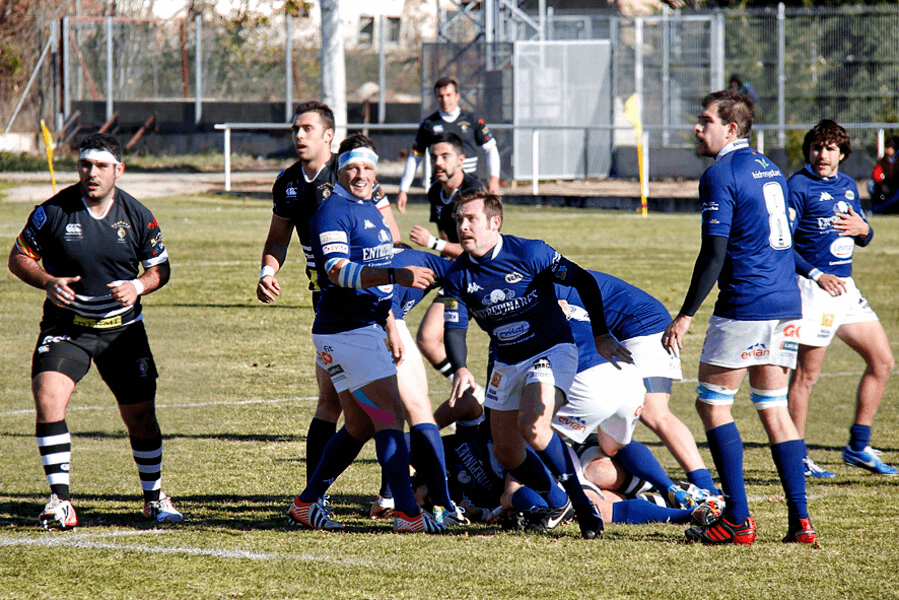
<point>733,107</point>
<point>357,140</point>
<point>892,141</point>
<point>323,110</point>
<point>827,131</point>
<point>444,82</point>
<point>448,137</point>
<point>102,141</point>
<point>493,204</point>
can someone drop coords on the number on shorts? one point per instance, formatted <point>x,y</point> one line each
<point>779,236</point>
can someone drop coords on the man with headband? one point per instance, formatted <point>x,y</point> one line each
<point>92,238</point>
<point>356,341</point>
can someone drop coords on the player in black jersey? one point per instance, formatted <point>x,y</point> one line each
<point>470,128</point>
<point>92,238</point>
<point>297,193</point>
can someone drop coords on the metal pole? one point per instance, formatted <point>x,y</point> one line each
<point>535,161</point>
<point>198,103</point>
<point>37,69</point>
<point>666,74</point>
<point>288,69</point>
<point>66,97</point>
<point>760,141</point>
<point>109,111</point>
<point>382,70</point>
<point>638,66</point>
<point>227,159</point>
<point>781,76</point>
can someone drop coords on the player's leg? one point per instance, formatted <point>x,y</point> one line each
<point>870,340</point>
<point>324,422</point>
<point>802,380</point>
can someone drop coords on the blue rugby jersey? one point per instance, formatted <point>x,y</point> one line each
<point>629,311</point>
<point>509,292</point>
<point>743,197</point>
<point>813,202</point>
<point>406,298</point>
<point>346,227</point>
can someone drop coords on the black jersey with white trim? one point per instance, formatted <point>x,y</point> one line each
<point>71,241</point>
<point>470,128</point>
<point>442,208</point>
<point>296,198</point>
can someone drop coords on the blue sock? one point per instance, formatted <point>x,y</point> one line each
<point>534,474</point>
<point>559,462</point>
<point>859,437</point>
<point>727,451</point>
<point>429,461</point>
<point>526,499</point>
<point>788,460</point>
<point>702,478</point>
<point>639,460</point>
<point>339,453</point>
<point>394,460</point>
<point>636,512</point>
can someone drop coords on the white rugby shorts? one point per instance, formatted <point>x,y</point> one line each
<point>354,358</point>
<point>557,367</point>
<point>740,344</point>
<point>652,359</point>
<point>822,314</point>
<point>602,398</point>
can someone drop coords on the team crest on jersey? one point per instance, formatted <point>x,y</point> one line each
<point>840,207</point>
<point>850,195</point>
<point>39,217</point>
<point>143,366</point>
<point>514,277</point>
<point>464,125</point>
<point>497,296</point>
<point>121,230</point>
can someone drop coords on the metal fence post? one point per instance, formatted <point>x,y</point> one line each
<point>109,69</point>
<point>198,103</point>
<point>781,76</point>
<point>227,159</point>
<point>535,161</point>
<point>288,69</point>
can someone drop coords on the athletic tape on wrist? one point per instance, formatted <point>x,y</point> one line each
<point>815,274</point>
<point>267,270</point>
<point>138,286</point>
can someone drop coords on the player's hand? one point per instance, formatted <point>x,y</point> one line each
<point>612,350</point>
<point>123,292</point>
<point>831,284</point>
<point>397,350</point>
<point>672,339</point>
<point>850,224</point>
<point>462,380</point>
<point>401,199</point>
<point>420,236</point>
<point>268,289</point>
<point>59,292</point>
<point>415,277</point>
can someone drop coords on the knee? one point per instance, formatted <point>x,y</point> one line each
<point>882,366</point>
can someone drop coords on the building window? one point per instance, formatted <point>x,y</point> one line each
<point>366,30</point>
<point>393,30</point>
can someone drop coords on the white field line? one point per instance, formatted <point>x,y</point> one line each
<point>86,542</point>
<point>112,405</point>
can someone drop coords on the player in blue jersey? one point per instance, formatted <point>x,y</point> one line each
<point>355,341</point>
<point>637,320</point>
<point>450,117</point>
<point>828,224</point>
<point>505,283</point>
<point>748,249</point>
<point>92,239</point>
<point>296,194</point>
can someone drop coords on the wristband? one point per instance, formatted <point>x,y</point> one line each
<point>138,286</point>
<point>267,270</point>
<point>436,244</point>
<point>815,275</point>
<point>391,275</point>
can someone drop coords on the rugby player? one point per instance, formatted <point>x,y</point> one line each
<point>92,239</point>
<point>828,223</point>
<point>748,249</point>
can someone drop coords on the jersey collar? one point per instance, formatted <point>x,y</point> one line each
<point>341,191</point>
<point>734,145</point>
<point>492,254</point>
<point>450,117</point>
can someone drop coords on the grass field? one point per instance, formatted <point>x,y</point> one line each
<point>236,392</point>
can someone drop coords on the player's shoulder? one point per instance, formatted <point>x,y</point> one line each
<point>470,183</point>
<point>430,120</point>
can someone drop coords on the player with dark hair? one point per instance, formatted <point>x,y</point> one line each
<point>748,249</point>
<point>828,224</point>
<point>450,118</point>
<point>505,283</point>
<point>92,239</point>
<point>355,341</point>
<point>297,193</point>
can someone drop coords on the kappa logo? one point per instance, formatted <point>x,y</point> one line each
<point>514,277</point>
<point>474,287</point>
<point>369,224</point>
<point>825,197</point>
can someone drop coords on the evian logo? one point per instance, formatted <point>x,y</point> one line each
<point>755,351</point>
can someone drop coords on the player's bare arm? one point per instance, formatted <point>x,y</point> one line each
<point>274,253</point>
<point>29,270</point>
<point>153,278</point>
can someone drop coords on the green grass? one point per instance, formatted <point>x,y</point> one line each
<point>236,392</point>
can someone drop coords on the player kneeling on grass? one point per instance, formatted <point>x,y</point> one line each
<point>92,237</point>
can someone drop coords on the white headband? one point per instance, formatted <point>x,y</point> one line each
<point>357,155</point>
<point>98,154</point>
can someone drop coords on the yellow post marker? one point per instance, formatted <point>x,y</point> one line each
<point>48,141</point>
<point>632,112</point>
